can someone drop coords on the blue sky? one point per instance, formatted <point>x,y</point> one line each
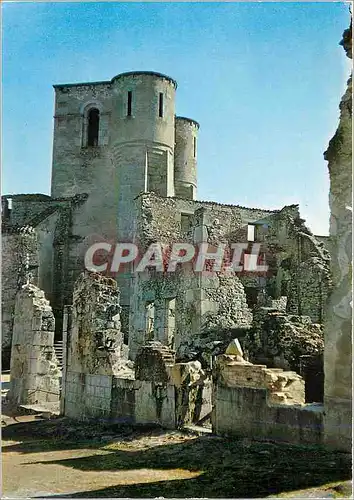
<point>264,81</point>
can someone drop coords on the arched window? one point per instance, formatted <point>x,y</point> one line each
<point>93,125</point>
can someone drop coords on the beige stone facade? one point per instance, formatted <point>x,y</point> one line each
<point>148,347</point>
<point>338,327</point>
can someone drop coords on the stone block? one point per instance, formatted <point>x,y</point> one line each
<point>234,348</point>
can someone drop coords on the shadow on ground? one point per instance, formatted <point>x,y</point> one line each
<point>229,468</point>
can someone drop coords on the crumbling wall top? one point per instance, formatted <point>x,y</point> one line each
<point>152,361</point>
<point>283,387</point>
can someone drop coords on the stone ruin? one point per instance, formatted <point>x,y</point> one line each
<point>99,380</point>
<point>263,403</point>
<point>95,348</point>
<point>19,266</point>
<point>290,342</point>
<point>34,372</point>
<point>167,348</point>
<point>338,324</point>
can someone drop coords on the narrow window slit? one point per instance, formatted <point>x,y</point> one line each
<point>129,107</point>
<point>93,127</point>
<point>161,105</point>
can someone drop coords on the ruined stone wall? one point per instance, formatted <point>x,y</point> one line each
<point>159,219</point>
<point>208,305</point>
<point>205,308</point>
<point>338,327</point>
<point>166,393</point>
<point>26,207</point>
<point>19,249</point>
<point>279,339</point>
<point>34,377</point>
<point>45,231</point>
<point>261,403</point>
<point>158,392</point>
<point>215,303</point>
<point>298,264</point>
<point>96,352</point>
<point>68,255</point>
<point>60,256</point>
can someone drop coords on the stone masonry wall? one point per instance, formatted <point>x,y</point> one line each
<point>279,339</point>
<point>159,392</point>
<point>203,301</point>
<point>338,327</point>
<point>262,403</point>
<point>205,309</point>
<point>19,259</point>
<point>34,368</point>
<point>96,352</point>
<point>59,233</point>
<point>298,264</point>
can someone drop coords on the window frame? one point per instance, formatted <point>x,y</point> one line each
<point>85,111</point>
<point>97,132</point>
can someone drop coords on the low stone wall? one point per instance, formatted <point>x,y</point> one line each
<point>192,392</point>
<point>87,396</point>
<point>123,398</point>
<point>263,403</point>
<point>119,400</point>
<point>155,404</point>
<point>246,412</point>
<point>160,392</point>
<point>245,400</point>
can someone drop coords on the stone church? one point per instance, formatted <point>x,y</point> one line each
<point>125,169</point>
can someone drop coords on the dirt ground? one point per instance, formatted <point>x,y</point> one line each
<point>58,457</point>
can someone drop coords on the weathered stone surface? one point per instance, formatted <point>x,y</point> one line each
<point>19,247</point>
<point>34,367</point>
<point>245,412</point>
<point>279,339</point>
<point>96,344</point>
<point>234,348</point>
<point>283,387</point>
<point>153,361</point>
<point>209,305</point>
<point>95,350</point>
<point>255,401</point>
<point>263,403</point>
<point>188,315</point>
<point>338,326</point>
<point>188,374</point>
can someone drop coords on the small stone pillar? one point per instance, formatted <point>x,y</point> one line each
<point>34,367</point>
